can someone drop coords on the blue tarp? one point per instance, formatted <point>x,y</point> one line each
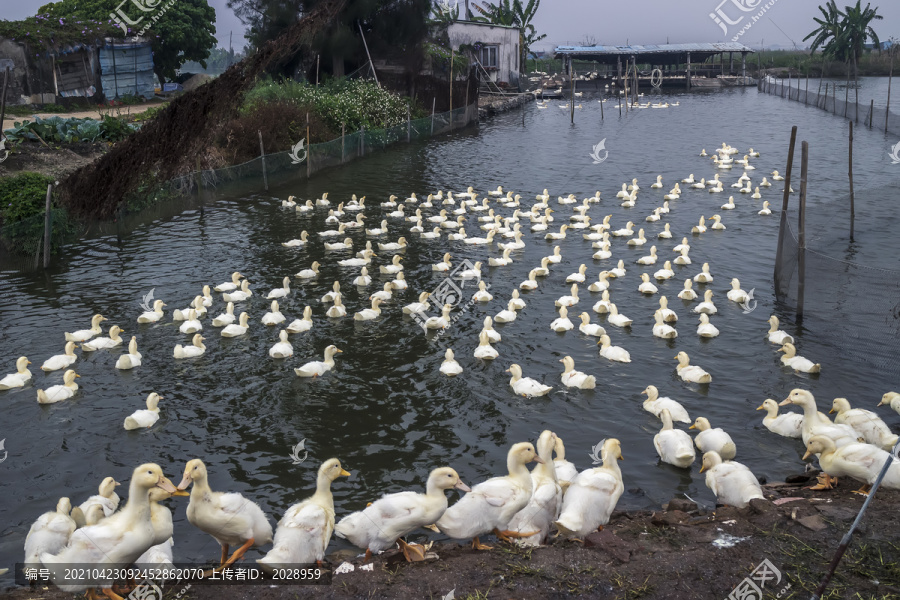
<point>127,69</point>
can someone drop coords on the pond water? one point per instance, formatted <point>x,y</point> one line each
<point>385,410</point>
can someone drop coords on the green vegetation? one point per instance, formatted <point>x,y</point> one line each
<point>22,202</point>
<point>182,30</point>
<point>842,35</point>
<point>514,13</point>
<point>60,130</point>
<point>356,103</point>
<point>46,31</point>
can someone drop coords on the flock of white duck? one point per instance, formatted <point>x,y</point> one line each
<point>523,506</point>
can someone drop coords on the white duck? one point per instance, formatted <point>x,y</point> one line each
<point>614,318</point>
<point>132,359</point>
<point>226,318</point>
<point>312,272</point>
<point>660,329</point>
<point>562,323</point>
<point>667,313</point>
<point>491,504</point>
<point>579,276</point>
<point>363,279</point>
<point>316,368</point>
<point>230,286</point>
<point>640,240</point>
<point>281,292</point>
<point>508,315</point>
<point>488,327</point>
<point>283,348</point>
<point>614,353</point>
<point>190,325</point>
<point>20,377</point>
<point>240,328</point>
<point>707,306</point>
<point>526,386</point>
<point>154,315</point>
<point>417,307</point>
<point>576,379</point>
<point>593,494</point>
<point>450,367</point>
<point>301,325</point>
<point>775,335</point>
<point>546,497</point>
<point>119,539</point>
<point>588,328</point>
<point>706,329</point>
<point>57,393</point>
<point>650,259</point>
<point>618,270</point>
<point>569,300</point>
<point>665,273</point>
<point>817,423</point>
<point>674,446</point>
<point>482,295</point>
<point>145,418</point>
<point>441,322</point>
<point>565,470</point>
<point>382,523</point>
<point>732,483</point>
<point>230,518</point>
<point>239,295</point>
<point>58,361</point>
<point>787,424</point>
<point>337,310</point>
<point>688,293</point>
<point>195,349</point>
<point>736,294</point>
<point>690,373</point>
<point>303,533</point>
<point>601,284</point>
<point>891,399</point>
<point>646,287</point>
<point>444,265</point>
<point>765,211</point>
<point>484,350</point>
<point>49,533</point>
<point>655,405</point>
<point>862,462</point>
<point>704,276</point>
<point>713,439</point>
<point>798,363</point>
<point>393,268</point>
<point>866,423</point>
<point>368,314</point>
<point>83,335</point>
<point>666,233</point>
<point>103,343</point>
<point>294,243</point>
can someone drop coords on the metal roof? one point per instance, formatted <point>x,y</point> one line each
<point>663,53</point>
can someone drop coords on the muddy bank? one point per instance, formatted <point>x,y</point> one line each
<point>680,553</point>
<point>491,105</point>
<point>53,161</point>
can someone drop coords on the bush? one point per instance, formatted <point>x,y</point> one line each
<point>22,202</point>
<point>23,196</point>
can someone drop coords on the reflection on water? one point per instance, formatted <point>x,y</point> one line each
<point>385,410</point>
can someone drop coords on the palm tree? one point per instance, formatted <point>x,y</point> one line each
<point>857,30</point>
<point>514,13</point>
<point>828,33</point>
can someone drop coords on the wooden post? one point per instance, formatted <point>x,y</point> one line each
<point>262,154</point>
<point>847,92</point>
<point>819,91</point>
<point>834,99</point>
<point>572,90</point>
<point>451,88</point>
<point>407,125</point>
<point>343,141</point>
<point>366,46</point>
<point>47,215</point>
<point>850,176</point>
<point>317,70</point>
<point>801,256</point>
<point>887,110</point>
<point>619,100</point>
<point>806,92</point>
<point>601,107</point>
<point>6,82</point>
<point>871,112</point>
<point>784,206</point>
<point>433,100</point>
<point>784,88</point>
<point>308,149</point>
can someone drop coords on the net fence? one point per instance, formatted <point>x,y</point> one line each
<point>850,288</point>
<point>22,241</point>
<point>827,98</point>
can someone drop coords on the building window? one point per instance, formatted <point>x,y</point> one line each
<point>489,56</point>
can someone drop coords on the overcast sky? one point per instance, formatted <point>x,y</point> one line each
<point>630,21</point>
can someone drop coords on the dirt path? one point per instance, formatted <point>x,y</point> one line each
<point>93,114</point>
<point>683,553</point>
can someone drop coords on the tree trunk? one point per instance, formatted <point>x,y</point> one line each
<point>337,66</point>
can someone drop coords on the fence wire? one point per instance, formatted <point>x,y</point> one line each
<point>851,289</point>
<point>834,102</point>
<point>21,242</point>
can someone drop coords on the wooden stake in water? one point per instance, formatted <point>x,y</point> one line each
<point>834,99</point>
<point>801,256</point>
<point>871,112</point>
<point>850,176</point>
<point>407,125</point>
<point>887,110</point>
<point>47,215</point>
<point>262,155</point>
<point>433,100</point>
<point>572,85</point>
<point>806,93</point>
<point>451,87</point>
<point>784,206</point>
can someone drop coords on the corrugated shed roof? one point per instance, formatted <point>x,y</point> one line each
<point>714,47</point>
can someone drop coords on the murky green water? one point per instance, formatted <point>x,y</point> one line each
<point>385,410</point>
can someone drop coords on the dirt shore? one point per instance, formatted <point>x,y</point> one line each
<point>98,113</point>
<point>679,553</point>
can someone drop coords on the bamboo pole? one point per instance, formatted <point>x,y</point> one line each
<point>6,82</point>
<point>801,256</point>
<point>451,88</point>
<point>262,155</point>
<point>407,125</point>
<point>871,112</point>
<point>366,46</point>
<point>433,100</point>
<point>887,110</point>
<point>850,176</point>
<point>782,229</point>
<point>572,91</point>
<point>601,107</point>
<point>47,217</point>
<point>343,141</point>
<point>847,92</point>
<point>806,93</point>
<point>308,150</point>
<point>834,98</point>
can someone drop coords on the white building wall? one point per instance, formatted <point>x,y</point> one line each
<point>505,38</point>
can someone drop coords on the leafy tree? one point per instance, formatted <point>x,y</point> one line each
<point>857,29</point>
<point>183,29</point>
<point>828,34</point>
<point>515,14</point>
